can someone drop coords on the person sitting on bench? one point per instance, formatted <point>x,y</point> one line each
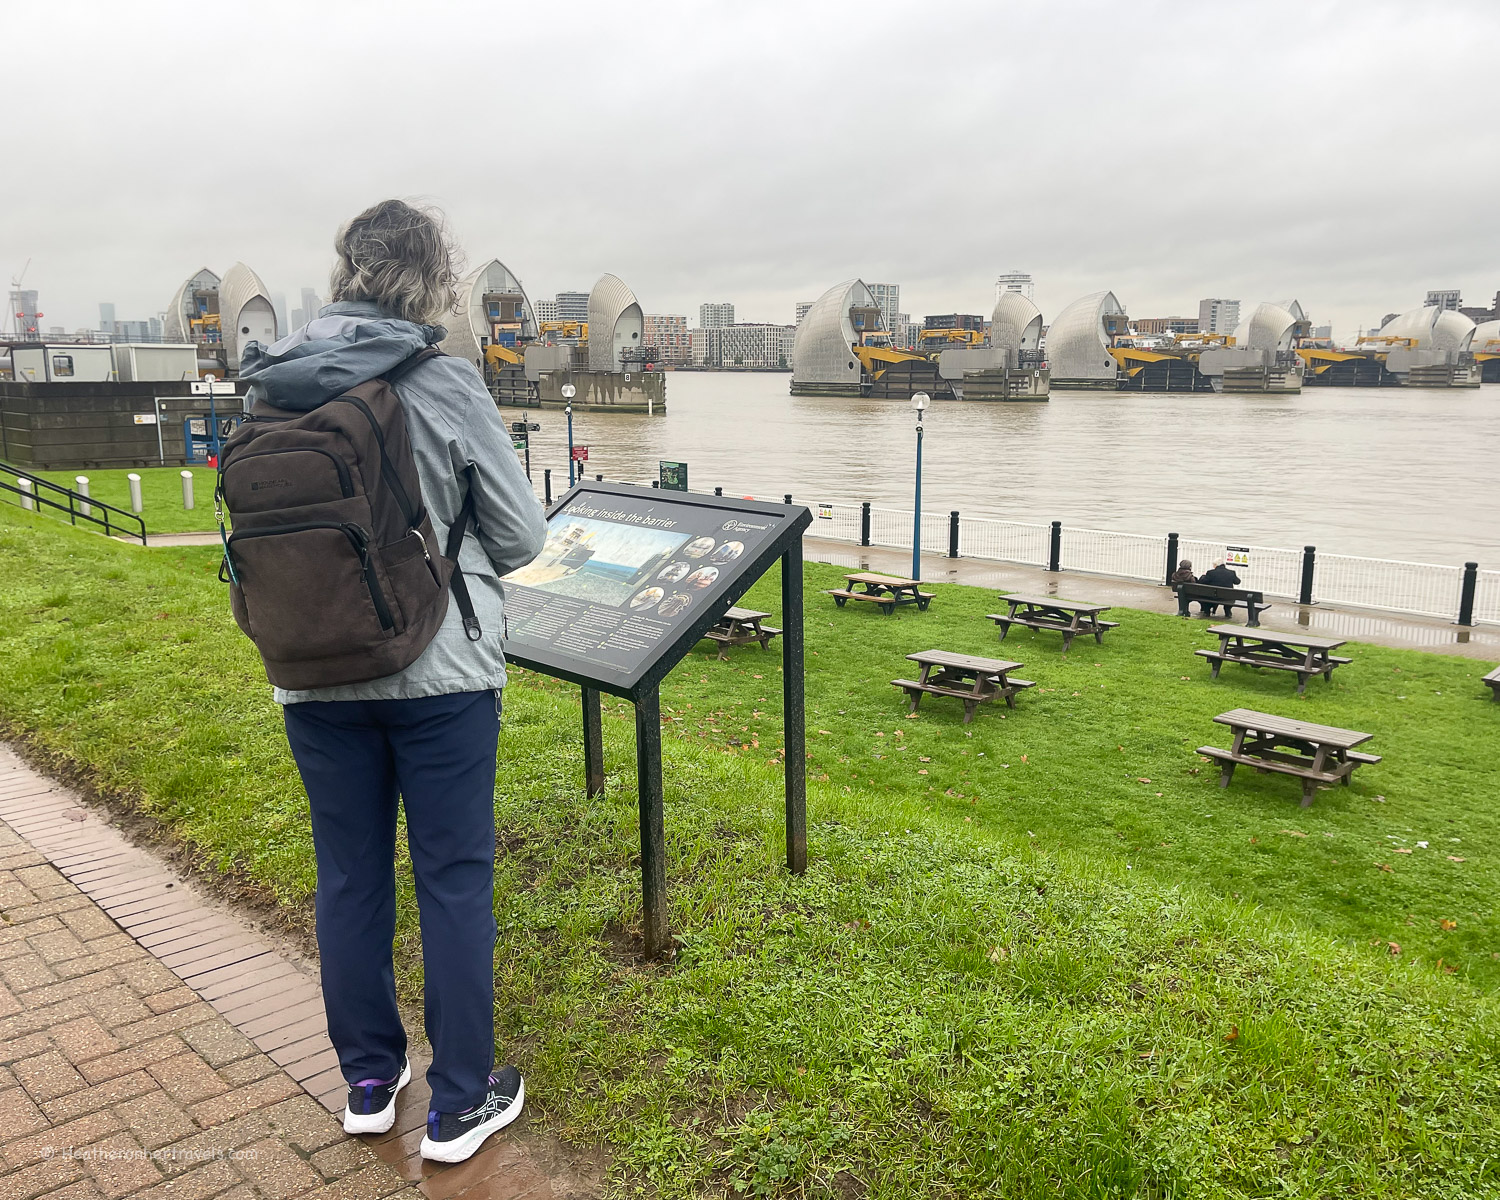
<point>1217,576</point>
<point>1183,574</point>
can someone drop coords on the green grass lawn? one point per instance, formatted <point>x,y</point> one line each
<point>161,495</point>
<point>1040,955</point>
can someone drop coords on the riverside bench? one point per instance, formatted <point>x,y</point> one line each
<point>888,591</point>
<point>1254,603</point>
<point>966,677</point>
<point>1302,653</point>
<point>1312,753</point>
<point>741,626</point>
<point>1493,679</point>
<point>1068,617</point>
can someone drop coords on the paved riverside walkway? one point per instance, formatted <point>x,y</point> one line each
<point>152,1044</point>
<point>1356,624</point>
<point>1326,620</point>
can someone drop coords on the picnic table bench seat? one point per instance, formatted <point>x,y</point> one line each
<point>965,677</point>
<point>741,626</point>
<point>1067,617</point>
<point>1305,655</point>
<point>1493,679</point>
<point>888,591</point>
<point>1316,754</point>
<point>887,603</point>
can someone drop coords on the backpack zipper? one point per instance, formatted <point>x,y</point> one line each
<point>358,538</point>
<point>387,468</point>
<point>346,484</point>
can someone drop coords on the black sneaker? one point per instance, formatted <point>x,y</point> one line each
<point>453,1137</point>
<point>371,1105</point>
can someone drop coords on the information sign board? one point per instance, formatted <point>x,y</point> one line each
<point>1237,556</point>
<point>825,512</point>
<point>673,476</point>
<point>580,454</point>
<point>629,579</point>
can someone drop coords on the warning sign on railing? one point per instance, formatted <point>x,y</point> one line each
<point>1237,556</point>
<point>825,512</point>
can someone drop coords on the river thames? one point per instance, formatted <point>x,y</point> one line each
<point>1384,472</point>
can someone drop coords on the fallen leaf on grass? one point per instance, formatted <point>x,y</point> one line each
<point>1455,858</point>
<point>921,770</point>
<point>1402,850</point>
<point>1384,866</point>
<point>924,758</point>
<point>1142,780</point>
<point>825,731</point>
<point>1233,1035</point>
<point>1445,924</point>
<point>1294,833</point>
<point>1393,947</point>
<point>1447,969</point>
<point>997,953</point>
<point>1146,1054</point>
<point>913,717</point>
<point>1254,840</point>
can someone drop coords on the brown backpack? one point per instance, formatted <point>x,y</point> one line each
<point>331,565</point>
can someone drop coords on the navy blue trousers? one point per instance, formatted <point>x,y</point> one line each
<point>437,753</point>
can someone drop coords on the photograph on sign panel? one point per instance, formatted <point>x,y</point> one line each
<point>598,561</point>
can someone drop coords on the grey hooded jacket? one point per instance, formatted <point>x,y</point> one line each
<point>460,444</point>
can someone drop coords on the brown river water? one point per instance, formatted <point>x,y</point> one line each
<point>1389,472</point>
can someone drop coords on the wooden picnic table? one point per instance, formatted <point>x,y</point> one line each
<point>1303,653</point>
<point>967,677</point>
<point>1493,679</point>
<point>740,626</point>
<point>1312,753</point>
<point>1069,617</point>
<point>888,591</point>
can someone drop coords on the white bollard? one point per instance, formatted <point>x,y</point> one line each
<point>135,492</point>
<point>26,489</point>
<point>187,489</point>
<point>81,486</point>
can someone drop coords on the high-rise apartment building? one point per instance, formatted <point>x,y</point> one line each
<point>888,297</point>
<point>1447,299</point>
<point>668,332</point>
<point>704,346</point>
<point>278,306</point>
<point>27,321</point>
<point>715,316</point>
<point>310,304</point>
<point>1218,316</point>
<point>1013,281</point>
<point>1161,325</point>
<point>106,318</point>
<point>802,307</point>
<point>545,310</point>
<point>756,347</point>
<point>572,306</point>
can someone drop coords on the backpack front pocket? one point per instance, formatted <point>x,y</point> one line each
<point>311,590</point>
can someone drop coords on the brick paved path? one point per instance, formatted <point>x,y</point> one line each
<point>153,1045</point>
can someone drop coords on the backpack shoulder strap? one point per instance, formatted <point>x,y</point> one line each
<point>406,364</point>
<point>456,582</point>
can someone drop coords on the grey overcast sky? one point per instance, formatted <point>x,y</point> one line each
<point>1343,153</point>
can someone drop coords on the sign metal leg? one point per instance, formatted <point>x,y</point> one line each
<point>593,744</point>
<point>793,710</point>
<point>653,832</point>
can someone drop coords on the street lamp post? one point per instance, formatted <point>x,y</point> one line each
<point>919,403</point>
<point>568,392</point>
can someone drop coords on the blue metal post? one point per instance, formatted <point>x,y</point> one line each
<point>569,411</point>
<point>916,533</point>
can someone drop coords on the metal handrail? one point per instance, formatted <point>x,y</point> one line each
<point>19,495</point>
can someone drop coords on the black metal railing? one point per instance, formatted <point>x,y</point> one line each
<point>44,495</point>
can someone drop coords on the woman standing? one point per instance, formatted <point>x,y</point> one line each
<point>426,735</point>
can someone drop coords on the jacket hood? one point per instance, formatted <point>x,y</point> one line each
<point>346,344</point>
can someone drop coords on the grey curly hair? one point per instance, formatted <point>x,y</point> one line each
<point>398,256</point>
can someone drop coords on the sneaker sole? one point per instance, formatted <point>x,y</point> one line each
<point>382,1121</point>
<point>461,1148</point>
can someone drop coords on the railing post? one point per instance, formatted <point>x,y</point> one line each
<point>1309,562</point>
<point>547,485</point>
<point>1466,598</point>
<point>787,498</point>
<point>718,491</point>
<point>1055,554</point>
<point>953,534</point>
<point>864,523</point>
<point>656,483</point>
<point>1172,544</point>
<point>26,493</point>
<point>85,509</point>
<point>598,478</point>
<point>187,489</point>
<point>135,492</point>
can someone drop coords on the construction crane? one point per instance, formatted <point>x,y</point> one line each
<point>941,339</point>
<point>884,356</point>
<point>567,329</point>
